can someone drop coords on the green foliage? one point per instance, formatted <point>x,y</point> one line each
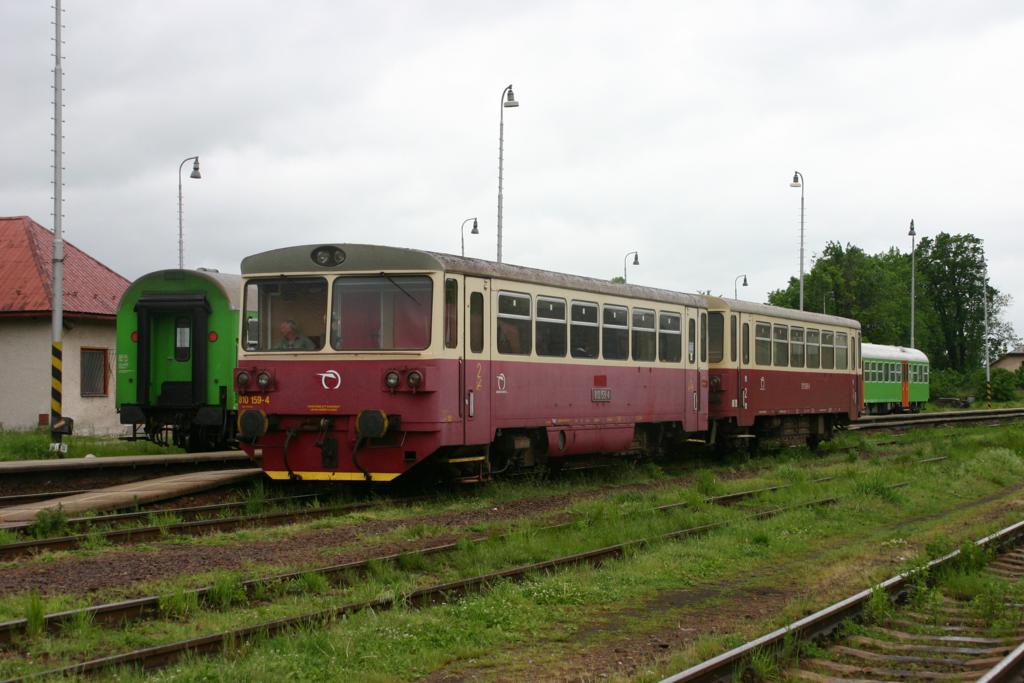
<point>34,444</point>
<point>1004,384</point>
<point>948,384</point>
<point>50,523</point>
<point>227,590</point>
<point>182,604</point>
<point>879,607</point>
<point>35,613</point>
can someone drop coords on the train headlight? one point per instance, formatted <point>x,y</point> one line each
<point>242,378</point>
<point>391,379</point>
<point>263,379</point>
<point>415,378</point>
<point>327,257</point>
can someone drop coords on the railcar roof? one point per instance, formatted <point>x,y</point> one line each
<point>228,283</point>
<point>883,352</point>
<point>781,312</point>
<point>374,258</point>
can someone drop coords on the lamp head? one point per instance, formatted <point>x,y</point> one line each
<point>744,280</point>
<point>912,231</point>
<point>636,259</point>
<point>195,169</point>
<point>510,100</point>
<point>796,180</point>
<point>474,231</point>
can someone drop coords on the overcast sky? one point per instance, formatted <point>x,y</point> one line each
<point>672,128</point>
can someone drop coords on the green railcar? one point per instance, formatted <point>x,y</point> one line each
<point>895,379</point>
<point>177,344</point>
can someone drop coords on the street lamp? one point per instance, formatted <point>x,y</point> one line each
<point>474,231</point>
<point>798,181</point>
<point>984,304</point>
<point>735,289</point>
<point>636,262</point>
<point>181,240</point>
<point>913,268</point>
<point>509,101</point>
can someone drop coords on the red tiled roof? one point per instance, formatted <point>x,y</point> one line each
<point>26,262</point>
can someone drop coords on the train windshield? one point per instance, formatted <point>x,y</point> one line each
<point>385,313</point>
<point>285,314</point>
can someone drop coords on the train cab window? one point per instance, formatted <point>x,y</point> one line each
<point>182,339</point>
<point>290,314</point>
<point>828,350</point>
<point>813,348</point>
<point>451,313</point>
<point>796,347</point>
<point>841,351</point>
<point>670,338</point>
<point>781,349</point>
<point>691,340</point>
<point>732,338</point>
<point>716,337</point>
<point>584,332</point>
<point>615,333</point>
<point>763,343</point>
<point>551,328</point>
<point>514,323</point>
<point>644,338</point>
<point>476,322</point>
<point>746,343</point>
<point>703,337</point>
<point>385,313</point>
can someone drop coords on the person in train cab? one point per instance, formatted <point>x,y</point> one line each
<point>292,339</point>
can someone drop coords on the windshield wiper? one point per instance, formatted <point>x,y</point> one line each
<point>401,289</point>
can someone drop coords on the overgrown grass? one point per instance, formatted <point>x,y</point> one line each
<point>35,445</point>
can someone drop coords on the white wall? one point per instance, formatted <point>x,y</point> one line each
<point>25,374</point>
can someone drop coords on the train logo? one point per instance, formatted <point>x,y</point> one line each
<point>502,384</point>
<point>332,376</point>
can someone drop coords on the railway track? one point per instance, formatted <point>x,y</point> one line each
<point>903,421</point>
<point>948,643</point>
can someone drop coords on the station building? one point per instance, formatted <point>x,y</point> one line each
<point>91,294</point>
<point>1011,360</point>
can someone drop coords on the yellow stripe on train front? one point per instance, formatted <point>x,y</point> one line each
<point>332,476</point>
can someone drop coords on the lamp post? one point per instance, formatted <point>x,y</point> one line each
<point>798,181</point>
<point>474,231</point>
<point>181,238</point>
<point>636,262</point>
<point>509,101</point>
<point>735,289</point>
<point>984,304</point>
<point>913,268</point>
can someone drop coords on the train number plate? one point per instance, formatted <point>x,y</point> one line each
<point>600,395</point>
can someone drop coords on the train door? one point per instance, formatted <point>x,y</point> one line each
<point>905,385</point>
<point>691,400</point>
<point>477,366</point>
<point>172,350</point>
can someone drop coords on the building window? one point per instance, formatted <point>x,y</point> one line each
<point>94,372</point>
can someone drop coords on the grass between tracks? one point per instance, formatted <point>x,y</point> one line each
<point>571,619</point>
<point>35,445</point>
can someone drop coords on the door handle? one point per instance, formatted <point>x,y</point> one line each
<point>471,400</point>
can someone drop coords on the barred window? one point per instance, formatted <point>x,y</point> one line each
<point>94,372</point>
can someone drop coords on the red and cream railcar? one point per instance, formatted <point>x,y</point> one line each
<point>777,372</point>
<point>360,362</point>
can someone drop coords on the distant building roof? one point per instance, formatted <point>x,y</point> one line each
<point>1019,351</point>
<point>26,254</point>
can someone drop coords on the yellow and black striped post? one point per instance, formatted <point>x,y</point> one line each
<point>56,363</point>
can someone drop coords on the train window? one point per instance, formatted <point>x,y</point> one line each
<point>828,350</point>
<point>451,313</point>
<point>514,323</point>
<point>691,340</point>
<point>384,313</point>
<point>670,338</point>
<point>781,350</point>
<point>716,336</point>
<point>732,338</point>
<point>853,351</point>
<point>841,351</point>
<point>703,337</point>
<point>796,347</point>
<point>813,352</point>
<point>551,328</point>
<point>615,333</point>
<point>885,372</point>
<point>182,339</point>
<point>746,343</point>
<point>476,322</point>
<point>584,333</point>
<point>290,314</point>
<point>763,343</point>
<point>926,372</point>
<point>644,338</point>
